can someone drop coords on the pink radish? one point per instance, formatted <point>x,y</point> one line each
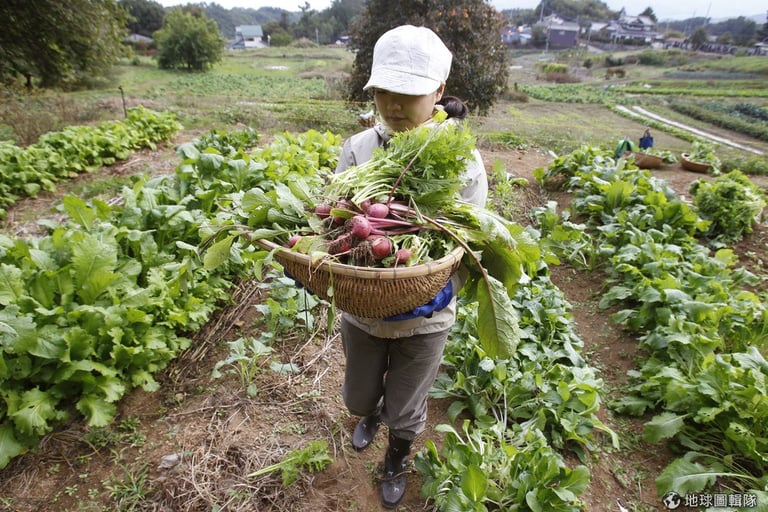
<point>378,210</point>
<point>381,247</point>
<point>293,240</point>
<point>323,210</point>
<point>359,227</point>
<point>402,256</point>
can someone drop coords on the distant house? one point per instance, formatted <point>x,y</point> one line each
<point>249,36</point>
<point>633,27</point>
<point>560,33</point>
<point>516,35</point>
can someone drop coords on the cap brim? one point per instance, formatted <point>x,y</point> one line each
<point>401,83</point>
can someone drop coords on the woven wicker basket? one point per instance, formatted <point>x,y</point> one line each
<point>367,291</point>
<point>646,161</point>
<point>691,165</point>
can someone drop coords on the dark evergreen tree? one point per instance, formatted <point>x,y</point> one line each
<point>147,16</point>
<point>469,28</point>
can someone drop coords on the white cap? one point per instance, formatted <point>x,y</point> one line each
<point>409,60</point>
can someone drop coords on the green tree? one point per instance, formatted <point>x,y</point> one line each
<point>469,28</point>
<point>188,40</point>
<point>278,35</point>
<point>60,43</point>
<point>698,38</point>
<point>147,16</point>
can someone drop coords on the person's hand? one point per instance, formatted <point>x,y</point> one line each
<point>440,301</point>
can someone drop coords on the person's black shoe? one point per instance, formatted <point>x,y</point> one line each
<point>395,471</point>
<point>365,431</point>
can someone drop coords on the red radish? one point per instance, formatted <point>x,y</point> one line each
<point>293,240</point>
<point>402,256</point>
<point>378,210</point>
<point>323,210</point>
<point>381,247</point>
<point>359,227</point>
<point>340,246</point>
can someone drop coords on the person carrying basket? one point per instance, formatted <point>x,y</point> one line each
<point>391,363</point>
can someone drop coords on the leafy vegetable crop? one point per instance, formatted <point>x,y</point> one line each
<point>24,172</point>
<point>99,304</point>
<point>704,332</point>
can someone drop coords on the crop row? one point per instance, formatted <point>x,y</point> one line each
<point>725,118</point>
<point>97,306</point>
<point>703,331</point>
<point>25,171</point>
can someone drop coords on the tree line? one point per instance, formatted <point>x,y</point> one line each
<point>49,43</point>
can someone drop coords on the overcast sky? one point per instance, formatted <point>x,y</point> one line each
<point>664,9</point>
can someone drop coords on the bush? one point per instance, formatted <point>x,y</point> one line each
<point>652,58</point>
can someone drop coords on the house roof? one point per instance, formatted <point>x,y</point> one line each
<point>249,31</point>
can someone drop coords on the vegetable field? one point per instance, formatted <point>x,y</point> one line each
<point>138,375</point>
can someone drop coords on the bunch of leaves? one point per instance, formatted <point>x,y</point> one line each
<point>722,424</point>
<point>424,165</point>
<point>545,383</point>
<point>559,172</point>
<point>313,457</point>
<point>522,409</point>
<point>85,321</point>
<point>227,143</point>
<point>666,155</point>
<point>732,203</point>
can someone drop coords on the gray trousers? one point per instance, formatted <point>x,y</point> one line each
<point>391,377</point>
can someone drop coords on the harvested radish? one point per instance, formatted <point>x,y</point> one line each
<point>341,245</point>
<point>359,227</point>
<point>323,210</point>
<point>293,240</point>
<point>402,256</point>
<point>381,247</point>
<point>378,210</point>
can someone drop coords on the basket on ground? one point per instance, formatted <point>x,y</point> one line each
<point>690,165</point>
<point>647,161</point>
<point>369,292</point>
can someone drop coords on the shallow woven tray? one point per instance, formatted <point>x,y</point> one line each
<point>691,165</point>
<point>367,291</point>
<point>646,161</point>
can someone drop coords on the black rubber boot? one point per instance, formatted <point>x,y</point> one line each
<point>365,431</point>
<point>395,465</point>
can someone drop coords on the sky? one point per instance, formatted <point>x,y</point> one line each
<point>664,9</point>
